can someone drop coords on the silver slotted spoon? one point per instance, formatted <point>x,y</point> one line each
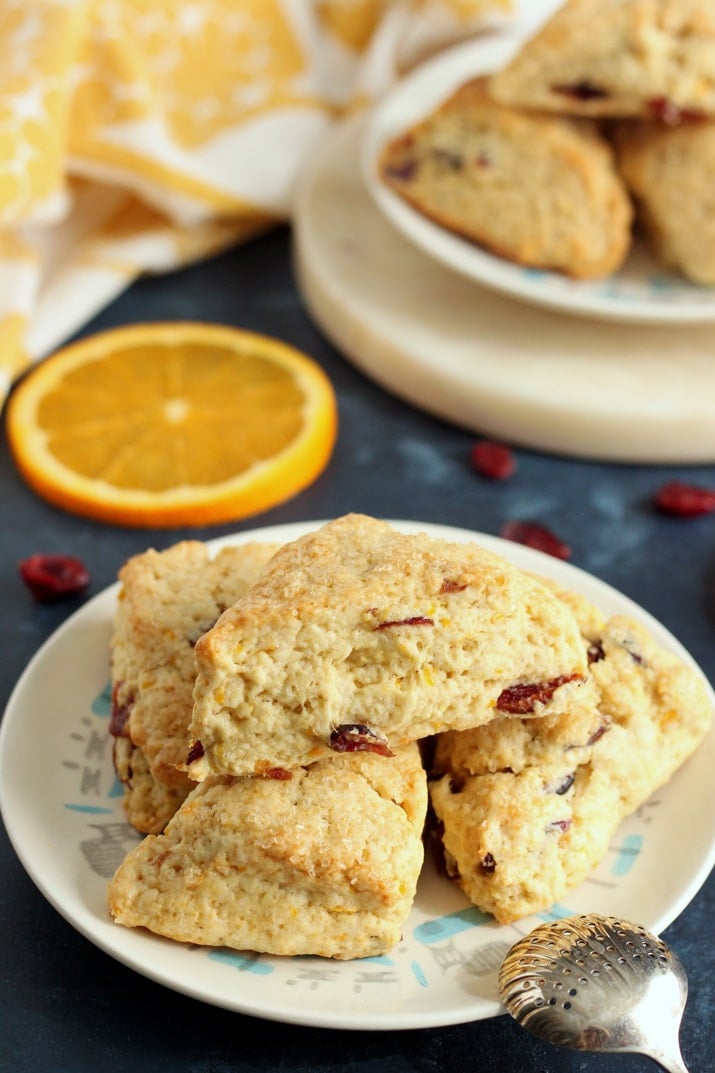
<point>596,983</point>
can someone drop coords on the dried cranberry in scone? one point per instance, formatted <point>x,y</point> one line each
<point>544,795</point>
<point>358,738</point>
<point>523,698</point>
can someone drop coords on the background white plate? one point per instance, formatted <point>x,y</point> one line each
<point>62,807</point>
<point>643,290</point>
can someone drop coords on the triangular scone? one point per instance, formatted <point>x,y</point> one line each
<point>166,601</point>
<point>671,173</point>
<point>358,636</point>
<point>325,862</point>
<point>536,189</point>
<point>527,808</point>
<point>637,58</point>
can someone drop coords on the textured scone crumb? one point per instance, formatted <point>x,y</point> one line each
<point>166,601</point>
<point>636,58</point>
<point>358,636</point>
<point>537,189</point>
<point>323,863</point>
<point>528,808</point>
<point>149,804</point>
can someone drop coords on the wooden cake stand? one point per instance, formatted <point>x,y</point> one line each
<point>497,366</point>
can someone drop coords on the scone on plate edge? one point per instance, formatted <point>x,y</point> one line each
<point>538,190</point>
<point>670,171</point>
<point>528,808</point>
<point>166,601</point>
<point>322,862</point>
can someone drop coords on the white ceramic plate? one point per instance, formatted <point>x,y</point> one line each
<point>643,290</point>
<point>62,808</point>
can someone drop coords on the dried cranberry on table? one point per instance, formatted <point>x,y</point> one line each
<point>684,500</point>
<point>53,577</point>
<point>493,460</point>
<point>536,536</point>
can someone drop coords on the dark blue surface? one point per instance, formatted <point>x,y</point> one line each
<point>66,1007</point>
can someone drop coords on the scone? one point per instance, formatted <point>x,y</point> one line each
<point>360,637</point>
<point>527,808</point>
<point>324,862</point>
<point>637,58</point>
<point>591,619</point>
<point>539,190</point>
<point>166,601</point>
<point>148,803</point>
<point>670,171</point>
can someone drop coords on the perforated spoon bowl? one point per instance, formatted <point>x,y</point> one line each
<point>596,983</point>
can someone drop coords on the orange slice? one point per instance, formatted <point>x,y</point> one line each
<point>178,424</point>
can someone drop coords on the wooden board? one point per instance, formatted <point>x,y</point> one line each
<point>548,380</point>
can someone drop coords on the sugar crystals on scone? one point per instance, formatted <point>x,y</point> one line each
<point>322,861</point>
<point>360,637</point>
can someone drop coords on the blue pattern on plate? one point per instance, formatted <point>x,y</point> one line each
<point>628,850</point>
<point>556,912</point>
<point>102,703</point>
<point>242,962</point>
<point>435,931</point>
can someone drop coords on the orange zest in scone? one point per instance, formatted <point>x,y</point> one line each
<point>172,424</point>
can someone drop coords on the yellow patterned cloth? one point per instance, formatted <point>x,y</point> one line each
<point>138,135</point>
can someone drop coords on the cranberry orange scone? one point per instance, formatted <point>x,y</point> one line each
<point>360,637</point>
<point>648,59</point>
<point>166,601</point>
<point>670,170</point>
<point>527,808</point>
<point>324,862</point>
<point>539,190</point>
